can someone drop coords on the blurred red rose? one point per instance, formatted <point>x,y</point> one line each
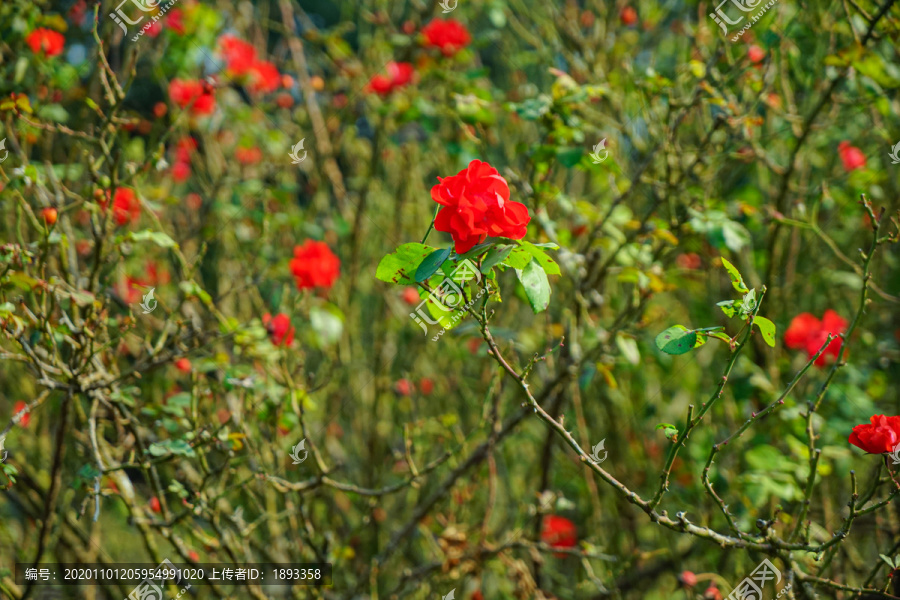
<point>449,36</point>
<point>26,417</point>
<point>183,365</point>
<point>175,21</point>
<point>404,387</point>
<point>314,265</point>
<point>154,504</point>
<point>264,77</point>
<point>687,578</point>
<point>281,333</point>
<point>476,205</point>
<point>426,386</point>
<point>49,215</point>
<point>756,54</point>
<point>806,332</point>
<point>181,171</point>
<point>240,56</point>
<point>192,93</point>
<point>476,595</point>
<point>46,40</point>
<point>248,156</point>
<point>126,206</point>
<point>712,593</point>
<point>628,16</point>
<point>399,75</point>
<point>558,532</point>
<point>689,260</point>
<point>880,435</point>
<point>851,156</point>
<point>411,296</point>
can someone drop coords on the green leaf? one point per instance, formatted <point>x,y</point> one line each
<point>431,264</point>
<point>518,258</point>
<point>400,266</point>
<point>767,329</point>
<point>494,257</point>
<point>157,237</point>
<point>729,307</point>
<point>548,264</point>
<point>888,560</point>
<point>677,339</point>
<point>537,287</point>
<point>669,430</point>
<point>179,447</point>
<point>736,280</point>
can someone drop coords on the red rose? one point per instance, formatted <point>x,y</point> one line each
<point>756,54</point>
<point>628,16</point>
<point>264,77</point>
<point>46,40</point>
<point>476,205</point>
<point>175,21</point>
<point>426,386</point>
<point>399,75</point>
<point>450,35</point>
<point>404,387</point>
<point>806,332</point>
<point>240,56</point>
<point>154,504</point>
<point>558,532</point>
<point>281,333</point>
<point>880,435</point>
<point>186,93</point>
<point>314,265</point>
<point>126,207</point>
<point>26,417</point>
<point>851,156</point>
<point>687,578</point>
<point>248,156</point>
<point>181,171</point>
<point>183,365</point>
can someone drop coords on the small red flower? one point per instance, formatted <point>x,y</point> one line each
<point>184,148</point>
<point>264,77</point>
<point>380,84</point>
<point>183,365</point>
<point>880,435</point>
<point>126,207</point>
<point>155,29</point>
<point>248,156</point>
<point>46,40</point>
<point>476,205</point>
<point>449,36</point>
<point>314,265</point>
<point>628,16</point>
<point>49,215</point>
<point>806,332</point>
<point>411,296</point>
<point>399,75</point>
<point>558,532</point>
<point>240,56</point>
<point>192,93</point>
<point>756,54</point>
<point>687,578</point>
<point>154,504</point>
<point>181,171</point>
<point>404,387</point>
<point>175,21</point>
<point>26,417</point>
<point>712,593</point>
<point>194,556</point>
<point>851,156</point>
<point>426,386</point>
<point>281,333</point>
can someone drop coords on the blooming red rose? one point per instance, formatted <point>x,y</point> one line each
<point>126,206</point>
<point>399,75</point>
<point>476,205</point>
<point>851,156</point>
<point>806,332</point>
<point>26,417</point>
<point>175,21</point>
<point>314,265</point>
<point>281,333</point>
<point>192,93</point>
<point>450,35</point>
<point>558,532</point>
<point>45,40</point>
<point>880,435</point>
